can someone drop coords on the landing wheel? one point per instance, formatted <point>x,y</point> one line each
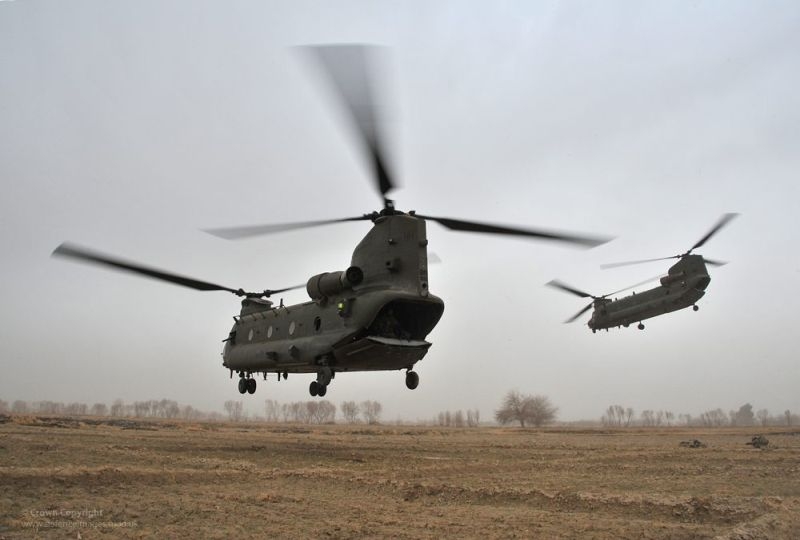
<point>695,308</point>
<point>322,390</point>
<point>640,327</point>
<point>626,325</point>
<point>251,386</point>
<point>313,388</point>
<point>412,380</point>
<point>594,330</point>
<point>242,386</point>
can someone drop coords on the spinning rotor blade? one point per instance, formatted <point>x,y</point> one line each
<point>237,233</point>
<point>628,263</point>
<point>713,262</point>
<point>349,69</point>
<point>269,292</point>
<point>93,257</point>
<point>82,254</point>
<point>645,282</point>
<point>474,226</point>
<point>564,287</point>
<point>581,312</point>
<point>721,223</point>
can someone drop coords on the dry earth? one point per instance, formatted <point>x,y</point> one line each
<point>130,479</point>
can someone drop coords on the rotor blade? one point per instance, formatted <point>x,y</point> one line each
<point>237,233</point>
<point>474,226</point>
<point>645,282</point>
<point>721,223</point>
<point>86,255</point>
<point>349,69</point>
<point>564,287</point>
<point>628,263</point>
<point>581,312</point>
<point>270,292</point>
<point>713,262</point>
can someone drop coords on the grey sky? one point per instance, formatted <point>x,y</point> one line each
<point>129,126</point>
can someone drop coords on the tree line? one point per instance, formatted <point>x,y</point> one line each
<point>619,416</point>
<point>458,419</point>
<point>315,412</point>
<point>152,408</point>
<point>527,410</point>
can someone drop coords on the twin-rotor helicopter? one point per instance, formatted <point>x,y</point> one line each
<point>373,316</point>
<point>685,283</point>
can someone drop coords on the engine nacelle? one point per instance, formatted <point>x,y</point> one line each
<point>669,279</point>
<point>328,284</point>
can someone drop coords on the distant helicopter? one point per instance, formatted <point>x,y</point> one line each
<point>684,284</point>
<point>373,316</point>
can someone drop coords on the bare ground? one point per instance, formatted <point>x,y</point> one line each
<point>64,478</point>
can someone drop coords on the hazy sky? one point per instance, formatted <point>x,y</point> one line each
<point>129,126</point>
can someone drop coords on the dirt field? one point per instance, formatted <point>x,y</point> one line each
<point>129,479</point>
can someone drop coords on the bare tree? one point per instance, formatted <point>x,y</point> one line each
<point>763,416</point>
<point>234,410</point>
<point>371,410</point>
<point>717,417</point>
<point>286,412</point>
<point>473,418</point>
<point>744,416</point>
<point>118,407</point>
<point>187,412</point>
<point>610,416</point>
<point>3,406</point>
<point>76,409</point>
<point>326,412</point>
<point>788,414</point>
<point>628,416</point>
<point>458,419</point>
<point>619,412</point>
<point>271,410</point>
<point>349,411</point>
<point>19,407</point>
<point>535,410</point>
<point>99,409</point>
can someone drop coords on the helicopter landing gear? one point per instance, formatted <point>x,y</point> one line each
<point>412,379</point>
<point>247,385</point>
<point>316,389</point>
<point>695,307</point>
<point>320,386</point>
<point>640,327</point>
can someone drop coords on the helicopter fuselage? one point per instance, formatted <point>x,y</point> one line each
<point>374,316</point>
<point>684,284</point>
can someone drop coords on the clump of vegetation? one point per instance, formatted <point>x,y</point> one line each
<point>527,410</point>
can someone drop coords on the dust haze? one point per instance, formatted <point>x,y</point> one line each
<point>131,126</point>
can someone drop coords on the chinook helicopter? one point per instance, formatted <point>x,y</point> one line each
<point>373,316</point>
<point>685,283</point>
